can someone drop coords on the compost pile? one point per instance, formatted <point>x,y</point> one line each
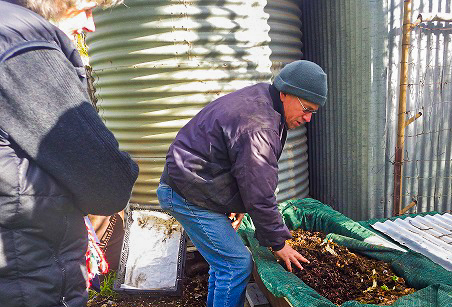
<point>194,295</point>
<point>340,275</point>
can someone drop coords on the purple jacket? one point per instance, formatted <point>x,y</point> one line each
<point>226,158</point>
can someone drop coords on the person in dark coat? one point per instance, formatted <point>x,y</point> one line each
<point>224,162</point>
<point>58,161</point>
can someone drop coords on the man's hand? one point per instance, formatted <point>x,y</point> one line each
<point>238,219</point>
<point>289,256</point>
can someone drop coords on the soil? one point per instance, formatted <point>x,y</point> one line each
<point>194,295</point>
<point>340,275</point>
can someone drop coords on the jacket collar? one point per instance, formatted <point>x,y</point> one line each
<point>278,107</point>
<point>277,103</point>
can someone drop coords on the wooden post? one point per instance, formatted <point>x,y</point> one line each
<point>411,205</point>
<point>274,301</point>
<point>398,171</point>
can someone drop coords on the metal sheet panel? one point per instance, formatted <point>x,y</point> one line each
<point>157,63</point>
<point>430,235</point>
<point>293,167</point>
<point>285,45</point>
<point>352,140</point>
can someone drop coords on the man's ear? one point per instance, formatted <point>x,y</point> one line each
<point>282,96</point>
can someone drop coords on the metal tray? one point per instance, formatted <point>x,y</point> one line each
<point>120,275</point>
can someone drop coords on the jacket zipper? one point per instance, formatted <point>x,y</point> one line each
<point>64,302</point>
<point>63,283</point>
<point>63,270</point>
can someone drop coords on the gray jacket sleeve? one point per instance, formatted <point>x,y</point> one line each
<point>45,109</point>
<point>256,171</point>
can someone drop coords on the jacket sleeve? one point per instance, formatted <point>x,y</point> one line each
<point>46,111</point>
<point>255,167</point>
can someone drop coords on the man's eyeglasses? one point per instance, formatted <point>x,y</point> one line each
<point>306,110</point>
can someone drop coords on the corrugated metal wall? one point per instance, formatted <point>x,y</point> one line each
<point>285,45</point>
<point>352,140</point>
<point>157,63</point>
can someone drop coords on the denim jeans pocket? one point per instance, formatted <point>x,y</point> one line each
<point>165,196</point>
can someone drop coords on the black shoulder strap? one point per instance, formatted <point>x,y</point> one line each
<point>26,46</point>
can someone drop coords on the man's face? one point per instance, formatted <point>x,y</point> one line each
<point>297,111</point>
<point>78,19</point>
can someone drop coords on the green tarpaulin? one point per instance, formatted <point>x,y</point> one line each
<point>433,281</point>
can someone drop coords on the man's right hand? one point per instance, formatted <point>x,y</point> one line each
<point>289,256</point>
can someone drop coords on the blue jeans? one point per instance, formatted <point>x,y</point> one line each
<point>212,234</point>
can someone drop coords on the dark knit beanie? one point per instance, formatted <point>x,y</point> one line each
<point>303,79</point>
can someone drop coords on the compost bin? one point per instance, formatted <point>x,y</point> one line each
<point>433,281</point>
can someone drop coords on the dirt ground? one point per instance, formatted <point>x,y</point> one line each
<point>194,295</point>
<point>194,292</point>
<point>339,275</point>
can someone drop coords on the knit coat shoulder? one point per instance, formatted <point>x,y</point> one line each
<point>46,181</point>
<point>42,235</point>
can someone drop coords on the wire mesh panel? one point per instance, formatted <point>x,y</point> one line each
<point>352,139</point>
<point>428,140</point>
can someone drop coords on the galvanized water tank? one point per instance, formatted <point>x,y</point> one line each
<point>157,63</point>
<point>285,45</point>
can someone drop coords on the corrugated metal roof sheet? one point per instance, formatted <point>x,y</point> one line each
<point>430,235</point>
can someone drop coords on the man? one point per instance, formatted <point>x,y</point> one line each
<point>224,162</point>
<point>58,161</point>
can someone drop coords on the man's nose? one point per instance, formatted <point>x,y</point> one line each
<point>89,25</point>
<point>307,117</point>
